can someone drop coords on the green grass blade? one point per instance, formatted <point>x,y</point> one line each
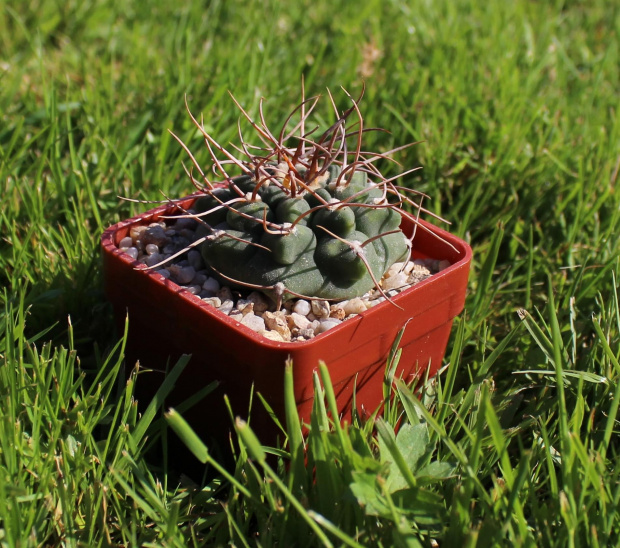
<point>250,441</point>
<point>187,435</point>
<point>159,398</point>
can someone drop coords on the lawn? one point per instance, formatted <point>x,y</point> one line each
<point>515,443</point>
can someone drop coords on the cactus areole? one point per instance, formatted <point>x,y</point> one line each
<point>311,218</point>
<point>299,246</point>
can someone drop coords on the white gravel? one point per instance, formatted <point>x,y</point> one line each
<point>298,320</point>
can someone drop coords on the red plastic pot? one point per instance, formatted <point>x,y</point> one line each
<point>166,321</point>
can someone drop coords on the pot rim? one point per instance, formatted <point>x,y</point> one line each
<point>109,246</point>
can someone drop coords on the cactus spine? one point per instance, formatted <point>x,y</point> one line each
<point>306,218</point>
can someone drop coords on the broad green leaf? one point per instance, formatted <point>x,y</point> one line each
<point>438,470</point>
<point>368,495</point>
<point>413,443</point>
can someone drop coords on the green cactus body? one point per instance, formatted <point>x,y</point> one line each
<point>314,244</point>
<point>310,216</point>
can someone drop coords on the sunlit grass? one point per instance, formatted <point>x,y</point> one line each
<point>516,105</point>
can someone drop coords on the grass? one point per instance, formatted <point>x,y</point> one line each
<point>516,443</point>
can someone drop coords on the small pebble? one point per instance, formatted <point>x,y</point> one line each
<point>125,242</point>
<point>225,293</point>
<point>181,241</point>
<point>395,281</point>
<point>297,321</point>
<point>307,333</point>
<point>195,259</point>
<point>302,307</point>
<point>226,306</point>
<point>193,289</point>
<point>185,275</point>
<point>337,311</point>
<point>261,304</point>
<point>424,263</point>
<point>395,269</point>
<point>151,248</point>
<point>132,252</point>
<point>163,272</point>
<point>154,235</point>
<point>136,232</point>
<point>398,268</point>
<point>421,268</point>
<point>417,276</point>
<point>155,258</point>
<point>354,306</point>
<point>213,301</point>
<point>188,235</point>
<point>328,324</point>
<point>245,307</point>
<point>185,222</point>
<point>254,322</point>
<point>272,335</point>
<point>275,321</point>
<point>320,309</point>
<point>211,284</point>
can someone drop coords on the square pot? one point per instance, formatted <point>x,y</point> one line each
<point>166,321</point>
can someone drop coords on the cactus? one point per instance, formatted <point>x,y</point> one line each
<point>306,218</point>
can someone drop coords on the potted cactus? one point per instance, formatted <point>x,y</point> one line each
<point>304,220</point>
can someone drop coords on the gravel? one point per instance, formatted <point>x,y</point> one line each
<point>299,319</point>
